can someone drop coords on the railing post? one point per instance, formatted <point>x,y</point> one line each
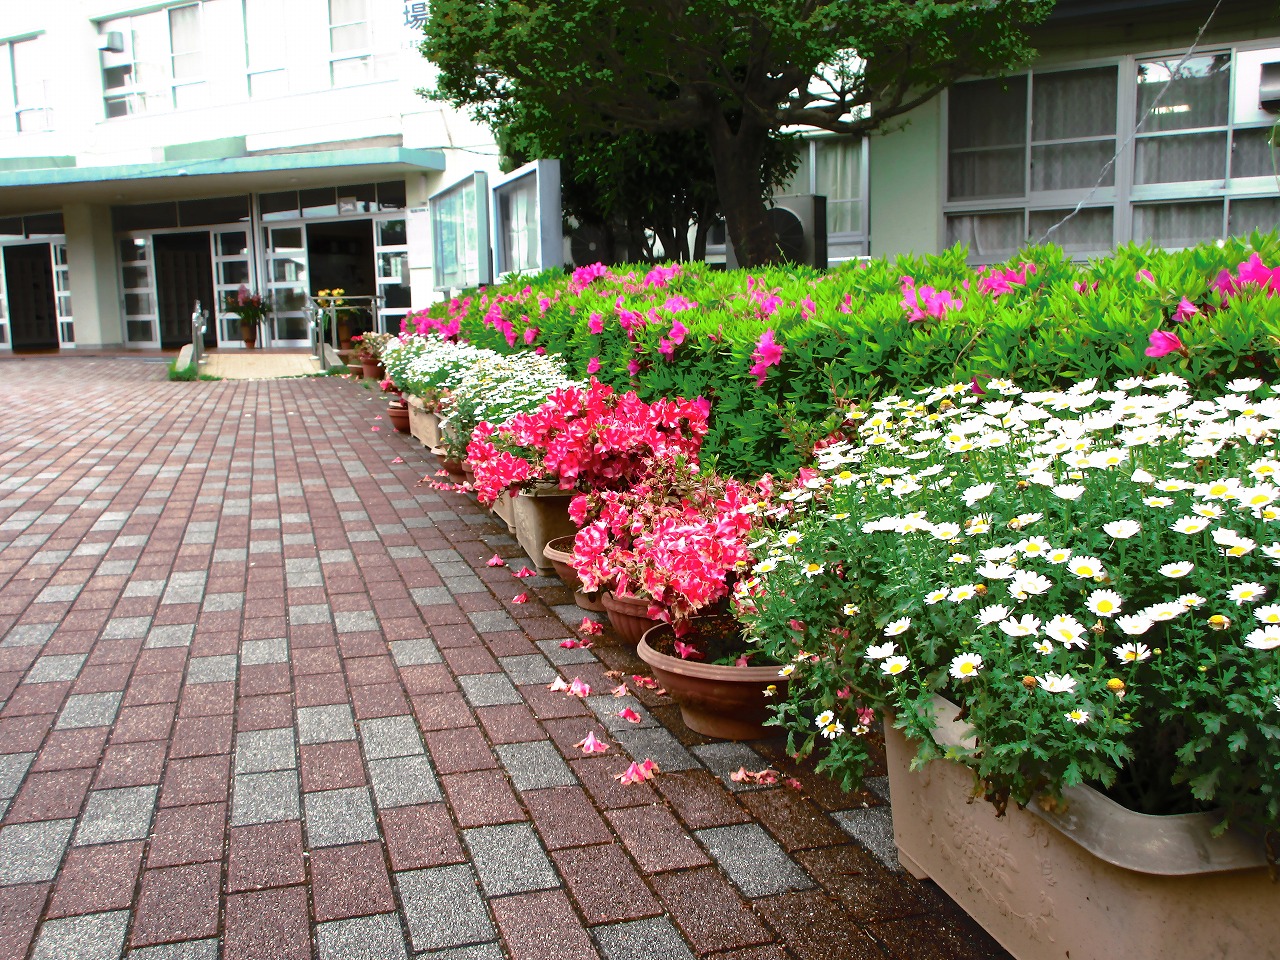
<point>198,318</point>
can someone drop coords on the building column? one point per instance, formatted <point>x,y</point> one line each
<point>95,289</point>
<point>907,176</point>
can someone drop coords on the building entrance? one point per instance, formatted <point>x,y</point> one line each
<point>33,312</point>
<point>184,274</point>
<point>340,255</point>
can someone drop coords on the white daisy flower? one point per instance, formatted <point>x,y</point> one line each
<point>1077,716</point>
<point>897,627</point>
<point>1189,525</point>
<point>1058,555</point>
<point>996,571</point>
<point>1027,584</point>
<point>1177,569</point>
<point>966,591</point>
<point>822,719</point>
<point>1270,613</point>
<point>1042,647</point>
<point>959,558</point>
<point>833,730</point>
<point>1121,529</point>
<point>966,665</point>
<point>1067,630</point>
<point>1264,638</point>
<point>1086,568</point>
<point>1104,603</point>
<point>993,614</point>
<point>765,566</point>
<point>1068,491</point>
<point>1243,593</point>
<point>1131,652</point>
<point>937,596</point>
<point>1158,502</point>
<point>881,651</point>
<point>1022,627</point>
<point>1054,683</point>
<point>811,570</point>
<point>851,609</point>
<point>1244,385</point>
<point>895,665</point>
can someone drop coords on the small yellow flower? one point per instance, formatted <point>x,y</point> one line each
<point>1115,685</point>
<point>1219,622</point>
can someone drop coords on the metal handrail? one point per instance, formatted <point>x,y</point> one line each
<point>199,320</point>
<point>330,308</point>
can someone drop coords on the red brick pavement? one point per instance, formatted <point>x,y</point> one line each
<point>261,697</point>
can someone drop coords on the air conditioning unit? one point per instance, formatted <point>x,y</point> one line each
<point>800,224</point>
<point>111,42</point>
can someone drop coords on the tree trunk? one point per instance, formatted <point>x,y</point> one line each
<point>737,157</point>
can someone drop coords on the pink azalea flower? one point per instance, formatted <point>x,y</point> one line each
<point>638,773</point>
<point>1164,343</point>
<point>579,688</point>
<point>590,628</point>
<point>530,335</point>
<point>793,783</point>
<point>630,715</point>
<point>589,744</point>
<point>495,560</point>
<point>633,368</point>
<point>807,308</point>
<point>742,661</point>
<point>595,323</point>
<point>766,354</point>
<point>520,598</point>
<point>678,332</point>
<point>666,347</point>
<point>974,388</point>
<point>865,716</point>
<point>593,365</point>
<point>398,460</point>
<point>1145,275</point>
<point>378,417</point>
<point>688,652</point>
<point>1186,310</point>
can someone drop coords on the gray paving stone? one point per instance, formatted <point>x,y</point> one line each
<point>255,653</point>
<point>565,655</point>
<point>183,593</point>
<point>265,546</point>
<point>481,951</point>
<point>230,555</point>
<point>265,798</point>
<point>58,593</point>
<point>172,635</point>
<point>355,621</point>
<point>753,860</point>
<point>28,635</point>
<point>723,759</point>
<point>337,556</point>
<point>389,529</point>
<point>362,938</point>
<point>466,584</point>
<point>188,950</point>
<point>116,568</point>
<point>87,549</point>
<point>607,708</point>
<point>431,596</point>
<point>403,781</point>
<point>402,553</point>
<point>444,908</point>
<point>47,556</point>
<point>212,669</point>
<point>879,786</point>
<point>302,578</point>
<point>873,829</point>
<point>491,621</point>
<point>653,939</point>
<point>533,766</point>
<point>326,724</point>
<point>489,690</point>
<point>30,852</point>
<point>657,744</point>
<point>361,536</point>
<point>223,602</point>
<point>510,859</point>
<point>120,814</point>
<point>531,668</point>
<point>54,668</point>
<point>445,556</point>
<point>95,936</point>
<point>89,710</point>
<point>413,653</point>
<point>390,737</point>
<point>309,613</point>
<point>335,817</point>
<point>261,751</point>
<point>13,767</point>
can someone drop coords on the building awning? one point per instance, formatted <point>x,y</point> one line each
<point>50,188</point>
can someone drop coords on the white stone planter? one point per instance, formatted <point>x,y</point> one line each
<point>423,424</point>
<point>1095,882</point>
<point>541,515</point>
<point>502,509</point>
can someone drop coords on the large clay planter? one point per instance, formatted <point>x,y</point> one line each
<point>715,700</point>
<point>399,417</point>
<point>541,515</point>
<point>372,370</point>
<point>628,616</point>
<point>1093,882</point>
<point>560,553</point>
<point>504,511</point>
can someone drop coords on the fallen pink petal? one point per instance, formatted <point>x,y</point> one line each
<point>579,688</point>
<point>590,744</point>
<point>375,429</point>
<point>378,417</point>
<point>558,683</point>
<point>575,644</point>
<point>590,628</point>
<point>621,690</point>
<point>524,572</point>
<point>646,682</point>
<point>496,561</point>
<point>398,460</point>
<point>630,715</point>
<point>520,598</point>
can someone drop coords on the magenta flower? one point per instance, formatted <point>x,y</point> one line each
<point>975,388</point>
<point>678,332</point>
<point>595,323</point>
<point>807,308</point>
<point>530,335</point>
<point>1163,343</point>
<point>767,354</point>
<point>633,368</point>
<point>1186,310</point>
<point>1146,275</point>
<point>666,348</point>
<point>593,365</point>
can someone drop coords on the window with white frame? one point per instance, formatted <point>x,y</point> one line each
<point>158,64</point>
<point>29,72</point>
<point>833,167</point>
<point>1023,151</point>
<point>265,25</point>
<point>350,42</point>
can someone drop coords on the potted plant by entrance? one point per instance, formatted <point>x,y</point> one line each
<point>719,692</point>
<point>1088,576</point>
<point>368,352</point>
<point>251,308</point>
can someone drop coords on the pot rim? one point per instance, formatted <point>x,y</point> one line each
<point>705,671</point>
<point>546,491</point>
<point>552,553</point>
<point>1177,844</point>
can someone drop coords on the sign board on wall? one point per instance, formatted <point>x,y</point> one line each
<point>528,233</point>
<point>460,234</point>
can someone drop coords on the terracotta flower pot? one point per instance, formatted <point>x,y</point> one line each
<point>628,616</point>
<point>1091,881</point>
<point>560,552</point>
<point>399,417</point>
<point>715,700</point>
<point>370,369</point>
<point>454,468</point>
<point>541,515</point>
<point>249,333</point>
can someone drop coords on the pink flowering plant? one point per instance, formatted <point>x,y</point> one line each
<point>1088,574</point>
<point>674,538</point>
<point>585,436</point>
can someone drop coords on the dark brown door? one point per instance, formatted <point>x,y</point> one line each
<point>184,274</point>
<point>33,315</point>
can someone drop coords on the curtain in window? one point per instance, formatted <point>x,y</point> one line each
<point>1252,154</point>
<point>184,34</point>
<point>1199,95</point>
<point>1247,216</point>
<point>987,139</point>
<point>988,235</point>
<point>1195,156</point>
<point>1174,225</point>
<point>1092,230</point>
<point>839,170</point>
<point>1073,104</point>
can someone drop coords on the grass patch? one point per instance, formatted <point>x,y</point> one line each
<point>187,374</point>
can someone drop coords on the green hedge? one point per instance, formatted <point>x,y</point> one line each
<point>845,333</point>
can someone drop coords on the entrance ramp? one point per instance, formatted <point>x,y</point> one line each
<point>254,365</point>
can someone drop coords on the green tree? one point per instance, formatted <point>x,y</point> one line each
<point>737,72</point>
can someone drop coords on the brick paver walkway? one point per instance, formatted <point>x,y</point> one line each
<point>262,697</point>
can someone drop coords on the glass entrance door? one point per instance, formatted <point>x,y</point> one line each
<point>232,268</point>
<point>286,255</point>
